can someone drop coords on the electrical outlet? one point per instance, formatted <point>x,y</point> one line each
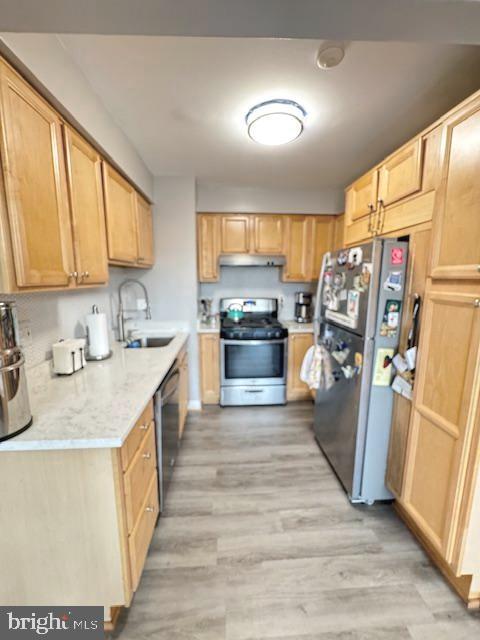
<point>25,329</point>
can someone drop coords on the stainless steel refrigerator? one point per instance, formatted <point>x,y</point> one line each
<point>358,311</point>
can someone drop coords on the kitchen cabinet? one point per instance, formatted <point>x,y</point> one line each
<point>406,187</point>
<point>35,188</point>
<point>401,173</point>
<point>145,247</point>
<point>323,239</point>
<point>209,346</point>
<point>338,232</point>
<point>90,494</point>
<point>456,240</point>
<point>268,234</point>
<point>298,249</point>
<point>84,173</point>
<point>444,420</point>
<point>362,196</point>
<point>183,392</point>
<point>298,345</point>
<point>121,215</point>
<point>235,234</point>
<point>208,246</point>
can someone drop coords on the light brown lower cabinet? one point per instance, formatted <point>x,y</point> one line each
<point>298,345</point>
<point>77,502</point>
<point>209,348</point>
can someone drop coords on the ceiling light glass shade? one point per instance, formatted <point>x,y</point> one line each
<point>275,122</point>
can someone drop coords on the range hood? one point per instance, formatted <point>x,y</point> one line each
<point>251,260</point>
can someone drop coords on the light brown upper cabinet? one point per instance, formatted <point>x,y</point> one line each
<point>235,234</point>
<point>208,246</point>
<point>145,248</point>
<point>268,234</point>
<point>121,215</point>
<point>298,248</point>
<point>362,196</point>
<point>456,239</point>
<point>323,241</point>
<point>36,195</point>
<point>84,173</point>
<point>401,173</point>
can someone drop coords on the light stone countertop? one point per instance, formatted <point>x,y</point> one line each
<point>98,406</point>
<point>204,327</point>
<point>298,327</point>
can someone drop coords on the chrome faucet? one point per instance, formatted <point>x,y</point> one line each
<point>121,311</point>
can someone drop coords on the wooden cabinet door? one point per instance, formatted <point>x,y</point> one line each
<point>361,197</point>
<point>298,249</point>
<point>210,367</point>
<point>235,234</point>
<point>401,174</point>
<point>146,255</point>
<point>84,173</point>
<point>298,345</point>
<point>120,208</point>
<point>447,386</point>
<point>456,240</point>
<point>322,238</point>
<point>33,166</point>
<point>208,239</point>
<point>339,232</point>
<point>268,236</point>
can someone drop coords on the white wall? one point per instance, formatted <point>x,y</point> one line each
<point>253,282</point>
<point>46,58</point>
<point>172,282</point>
<point>221,197</point>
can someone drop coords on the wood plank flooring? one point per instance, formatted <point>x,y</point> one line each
<point>259,542</point>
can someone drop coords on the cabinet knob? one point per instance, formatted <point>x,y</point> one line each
<point>85,274</point>
<point>149,509</point>
<point>143,427</point>
<point>146,456</point>
<point>476,302</point>
<point>73,274</point>
<point>478,268</point>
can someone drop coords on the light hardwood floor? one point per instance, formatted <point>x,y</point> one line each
<point>259,541</point>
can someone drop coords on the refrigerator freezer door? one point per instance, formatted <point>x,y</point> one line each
<point>350,286</point>
<point>340,412</point>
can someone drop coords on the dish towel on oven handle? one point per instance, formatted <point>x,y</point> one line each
<point>316,369</point>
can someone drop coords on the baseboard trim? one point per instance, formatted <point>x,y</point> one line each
<point>461,585</point>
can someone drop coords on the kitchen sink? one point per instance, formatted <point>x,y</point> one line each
<point>146,342</point>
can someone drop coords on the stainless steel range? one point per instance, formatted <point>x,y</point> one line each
<point>253,352</point>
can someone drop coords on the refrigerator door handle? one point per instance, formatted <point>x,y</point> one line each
<point>327,257</point>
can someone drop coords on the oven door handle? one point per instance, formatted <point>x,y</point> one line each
<point>254,342</point>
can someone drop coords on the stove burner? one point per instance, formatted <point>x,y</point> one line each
<point>253,327</point>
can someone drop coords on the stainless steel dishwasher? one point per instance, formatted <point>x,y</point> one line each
<point>166,423</point>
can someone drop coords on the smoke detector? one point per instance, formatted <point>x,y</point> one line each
<point>330,56</point>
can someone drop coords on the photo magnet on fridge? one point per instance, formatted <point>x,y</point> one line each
<point>393,281</point>
<point>391,319</point>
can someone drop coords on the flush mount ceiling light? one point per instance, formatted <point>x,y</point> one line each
<point>275,122</point>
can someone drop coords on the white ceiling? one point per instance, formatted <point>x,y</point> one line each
<point>182,102</point>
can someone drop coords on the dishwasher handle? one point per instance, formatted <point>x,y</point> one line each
<point>169,387</point>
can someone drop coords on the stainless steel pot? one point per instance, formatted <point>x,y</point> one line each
<point>15,414</point>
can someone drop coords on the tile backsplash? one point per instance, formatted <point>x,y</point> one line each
<point>44,318</point>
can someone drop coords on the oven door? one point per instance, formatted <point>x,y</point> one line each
<point>253,362</point>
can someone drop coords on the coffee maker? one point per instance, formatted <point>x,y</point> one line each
<point>303,306</point>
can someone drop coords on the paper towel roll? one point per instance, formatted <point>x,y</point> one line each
<point>98,343</point>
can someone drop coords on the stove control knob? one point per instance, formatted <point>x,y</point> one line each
<point>278,333</point>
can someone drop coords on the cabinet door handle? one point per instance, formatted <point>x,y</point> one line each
<point>149,509</point>
<point>143,427</point>
<point>73,274</point>
<point>146,456</point>
<point>370,212</point>
<point>378,226</point>
<point>476,303</point>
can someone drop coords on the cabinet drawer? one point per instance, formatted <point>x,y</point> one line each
<point>135,436</point>
<point>141,536</point>
<point>138,477</point>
